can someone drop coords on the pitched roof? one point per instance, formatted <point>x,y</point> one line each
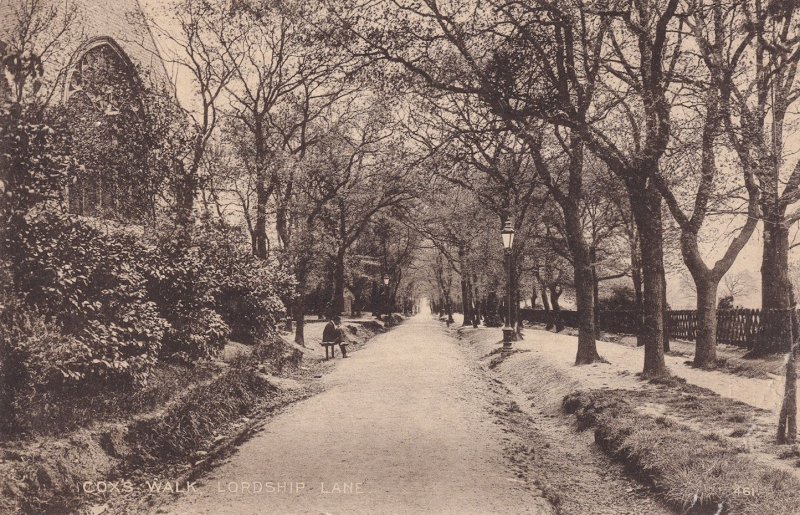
<point>119,20</point>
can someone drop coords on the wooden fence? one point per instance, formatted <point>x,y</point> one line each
<point>734,326</point>
<point>738,327</point>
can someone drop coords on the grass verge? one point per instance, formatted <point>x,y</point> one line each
<point>182,419</point>
<point>47,477</point>
<point>695,472</point>
<point>52,414</point>
<point>203,412</point>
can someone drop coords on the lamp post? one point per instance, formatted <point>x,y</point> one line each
<point>508,242</point>
<point>386,298</point>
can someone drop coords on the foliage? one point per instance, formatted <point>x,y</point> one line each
<point>33,169</point>
<point>86,281</point>
<point>248,291</point>
<point>135,144</point>
<point>37,353</point>
<point>181,283</point>
<point>725,302</point>
<point>622,298</point>
<point>33,356</point>
<point>108,136</point>
<point>31,156</point>
<point>172,162</point>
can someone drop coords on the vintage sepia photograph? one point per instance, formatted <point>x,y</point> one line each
<point>399,257</point>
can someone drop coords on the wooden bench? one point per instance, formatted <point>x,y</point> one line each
<point>332,346</point>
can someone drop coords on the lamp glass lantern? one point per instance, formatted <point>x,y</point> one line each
<point>386,280</point>
<point>508,235</point>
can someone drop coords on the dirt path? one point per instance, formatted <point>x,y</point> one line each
<point>404,426</point>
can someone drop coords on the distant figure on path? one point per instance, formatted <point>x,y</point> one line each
<point>333,334</point>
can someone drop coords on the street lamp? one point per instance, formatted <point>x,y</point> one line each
<point>386,298</point>
<point>508,242</point>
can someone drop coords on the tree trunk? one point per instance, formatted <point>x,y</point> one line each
<point>254,242</point>
<point>584,296</point>
<point>546,306</point>
<point>260,231</point>
<point>636,277</point>
<point>466,306</point>
<point>665,309</point>
<point>184,206</point>
<point>299,321</point>
<point>449,311</point>
<point>375,299</point>
<point>517,318</point>
<point>584,289</point>
<point>787,420</point>
<point>596,297</point>
<point>299,310</point>
<point>262,195</point>
<point>775,332</point>
<point>282,225</point>
<point>646,206</point>
<point>512,297</point>
<point>476,315</point>
<point>705,353</point>
<point>555,293</point>
<point>338,284</point>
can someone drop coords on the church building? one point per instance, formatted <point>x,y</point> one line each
<point>100,56</point>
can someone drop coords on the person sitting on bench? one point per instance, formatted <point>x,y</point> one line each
<point>333,334</point>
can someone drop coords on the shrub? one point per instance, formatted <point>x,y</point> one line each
<point>248,290</point>
<point>85,280</point>
<point>621,298</point>
<point>725,302</point>
<point>182,284</point>
<point>35,357</point>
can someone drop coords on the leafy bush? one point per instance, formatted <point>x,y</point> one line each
<point>248,290</point>
<point>725,302</point>
<point>39,355</point>
<point>34,166</point>
<point>621,298</point>
<point>86,281</point>
<point>181,282</point>
<point>34,357</point>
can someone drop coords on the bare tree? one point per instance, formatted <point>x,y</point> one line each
<point>199,46</point>
<point>554,55</point>
<point>708,25</point>
<point>370,171</point>
<point>757,79</point>
<point>47,31</point>
<point>736,284</point>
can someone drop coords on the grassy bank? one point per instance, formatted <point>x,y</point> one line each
<point>694,471</point>
<point>699,451</point>
<point>46,475</point>
<point>166,430</point>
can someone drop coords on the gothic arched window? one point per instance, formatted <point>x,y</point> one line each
<point>104,109</point>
